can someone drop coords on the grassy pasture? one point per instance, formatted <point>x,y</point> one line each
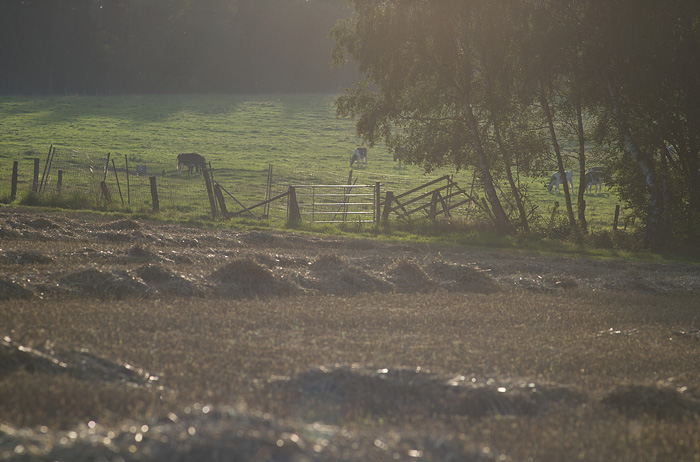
<point>240,135</point>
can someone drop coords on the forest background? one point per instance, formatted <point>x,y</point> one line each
<point>169,46</point>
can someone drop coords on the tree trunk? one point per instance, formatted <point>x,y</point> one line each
<point>501,219</point>
<point>654,231</point>
<point>557,152</point>
<point>582,168</point>
<point>513,187</point>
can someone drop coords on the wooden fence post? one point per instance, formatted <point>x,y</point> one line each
<point>60,181</point>
<point>294,213</point>
<point>35,184</point>
<point>105,191</point>
<point>433,206</point>
<point>377,202</point>
<point>154,194</point>
<point>13,193</point>
<point>387,207</point>
<point>210,190</point>
<point>128,189</point>
<point>119,188</point>
<point>46,164</point>
<point>220,199</point>
<point>104,176</point>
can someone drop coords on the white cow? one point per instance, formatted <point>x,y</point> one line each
<point>555,180</point>
<point>359,156</point>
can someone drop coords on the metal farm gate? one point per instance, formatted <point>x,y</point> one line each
<point>338,203</point>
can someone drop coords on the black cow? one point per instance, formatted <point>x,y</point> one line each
<point>398,156</point>
<point>191,161</point>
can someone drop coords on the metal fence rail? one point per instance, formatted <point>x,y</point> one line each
<point>337,203</point>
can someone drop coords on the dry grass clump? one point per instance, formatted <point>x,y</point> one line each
<point>328,262</point>
<point>43,224</point>
<point>408,276</point>
<point>463,278</point>
<point>103,284</point>
<point>156,274</point>
<point>336,276</point>
<point>351,393</point>
<point>246,278</point>
<point>137,252</point>
<point>8,233</point>
<point>11,290</point>
<point>24,257</point>
<point>80,364</point>
<point>164,281</point>
<point>125,224</point>
<point>258,238</point>
<point>636,401</point>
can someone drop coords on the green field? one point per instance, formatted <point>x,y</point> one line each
<point>240,135</point>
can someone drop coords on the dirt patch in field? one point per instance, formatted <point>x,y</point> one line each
<point>56,255</point>
<point>39,258</point>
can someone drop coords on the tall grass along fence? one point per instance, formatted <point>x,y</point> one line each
<point>119,182</point>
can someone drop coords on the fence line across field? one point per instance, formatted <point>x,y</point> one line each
<point>128,182</point>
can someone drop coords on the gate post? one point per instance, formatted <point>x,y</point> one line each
<point>433,206</point>
<point>294,214</point>
<point>377,202</point>
<point>154,194</point>
<point>387,207</point>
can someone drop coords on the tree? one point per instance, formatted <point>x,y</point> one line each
<point>648,67</point>
<point>424,87</point>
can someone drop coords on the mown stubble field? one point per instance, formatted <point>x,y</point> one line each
<point>264,345</point>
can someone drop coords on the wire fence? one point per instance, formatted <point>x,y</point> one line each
<point>66,172</point>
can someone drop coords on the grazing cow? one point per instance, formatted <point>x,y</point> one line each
<point>555,180</point>
<point>398,156</point>
<point>594,177</point>
<point>191,161</point>
<point>360,155</point>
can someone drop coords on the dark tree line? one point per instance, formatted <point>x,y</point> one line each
<point>513,86</point>
<point>168,46</point>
